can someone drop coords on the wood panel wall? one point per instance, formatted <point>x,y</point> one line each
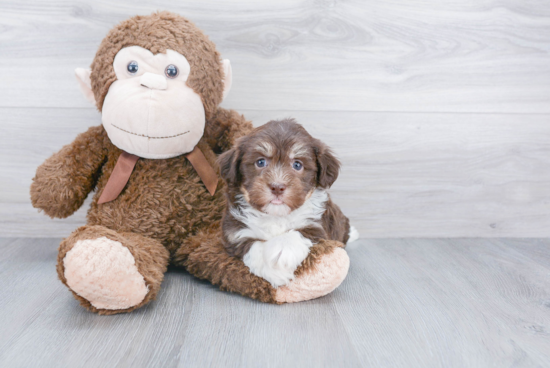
<point>439,111</point>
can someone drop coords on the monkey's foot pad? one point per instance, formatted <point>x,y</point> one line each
<point>104,272</point>
<point>329,274</point>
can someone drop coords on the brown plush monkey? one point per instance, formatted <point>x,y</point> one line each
<point>158,81</point>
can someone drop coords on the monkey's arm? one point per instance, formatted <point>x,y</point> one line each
<point>224,128</point>
<point>64,180</point>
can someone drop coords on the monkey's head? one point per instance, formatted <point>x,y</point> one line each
<point>156,79</point>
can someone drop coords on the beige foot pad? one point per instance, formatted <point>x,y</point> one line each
<point>104,272</point>
<point>331,271</point>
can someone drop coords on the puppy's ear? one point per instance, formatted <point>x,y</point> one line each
<point>229,162</point>
<point>328,165</point>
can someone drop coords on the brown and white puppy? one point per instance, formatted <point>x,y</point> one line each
<point>277,202</point>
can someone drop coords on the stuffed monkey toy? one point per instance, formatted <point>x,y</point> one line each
<point>157,81</point>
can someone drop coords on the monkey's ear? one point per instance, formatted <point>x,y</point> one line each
<point>328,165</point>
<point>85,83</point>
<point>229,162</point>
<point>227,77</point>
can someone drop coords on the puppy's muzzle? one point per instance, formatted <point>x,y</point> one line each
<point>277,188</point>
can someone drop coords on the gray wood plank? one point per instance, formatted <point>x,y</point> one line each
<point>404,174</point>
<point>535,249</point>
<point>453,56</point>
<point>460,302</point>
<point>414,302</point>
<point>192,324</point>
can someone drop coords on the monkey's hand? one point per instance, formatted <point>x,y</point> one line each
<point>64,180</point>
<point>224,128</point>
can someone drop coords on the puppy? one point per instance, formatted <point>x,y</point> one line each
<point>277,202</point>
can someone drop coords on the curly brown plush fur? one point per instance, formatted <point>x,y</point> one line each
<point>207,259</point>
<point>159,32</point>
<point>163,203</point>
<point>164,213</point>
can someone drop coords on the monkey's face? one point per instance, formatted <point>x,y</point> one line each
<point>149,110</point>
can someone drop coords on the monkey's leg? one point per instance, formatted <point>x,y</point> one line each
<point>321,272</point>
<point>110,272</point>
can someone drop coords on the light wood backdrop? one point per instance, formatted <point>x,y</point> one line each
<point>439,110</point>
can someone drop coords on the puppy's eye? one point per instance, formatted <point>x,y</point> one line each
<point>261,163</point>
<point>171,71</point>
<point>132,67</point>
<point>297,165</point>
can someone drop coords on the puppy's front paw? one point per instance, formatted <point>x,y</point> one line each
<point>286,251</point>
<point>276,259</point>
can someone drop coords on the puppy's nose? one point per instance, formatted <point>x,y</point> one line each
<point>277,188</point>
<point>153,81</point>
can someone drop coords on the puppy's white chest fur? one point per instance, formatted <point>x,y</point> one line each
<point>281,249</point>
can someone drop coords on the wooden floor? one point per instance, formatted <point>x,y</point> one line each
<point>405,303</point>
<point>439,112</point>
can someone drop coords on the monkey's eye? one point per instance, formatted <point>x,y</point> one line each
<point>132,67</point>
<point>297,165</point>
<point>171,71</point>
<point>261,163</point>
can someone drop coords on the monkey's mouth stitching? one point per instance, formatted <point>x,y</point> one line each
<point>146,136</point>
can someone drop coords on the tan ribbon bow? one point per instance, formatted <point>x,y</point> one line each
<point>126,163</point>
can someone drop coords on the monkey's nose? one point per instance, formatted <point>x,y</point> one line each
<point>153,81</point>
<point>277,188</point>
